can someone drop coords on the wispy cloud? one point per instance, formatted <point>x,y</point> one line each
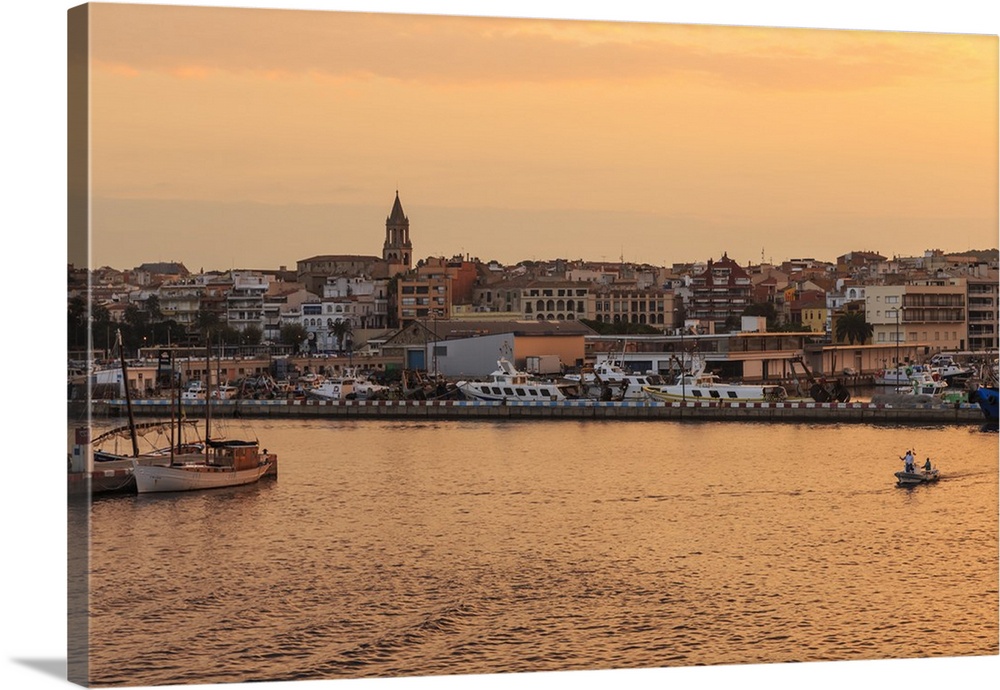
<point>197,41</point>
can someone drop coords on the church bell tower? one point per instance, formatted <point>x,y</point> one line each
<point>397,250</point>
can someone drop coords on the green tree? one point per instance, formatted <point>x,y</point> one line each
<point>77,322</point>
<point>135,331</point>
<point>229,335</point>
<point>103,330</point>
<point>136,317</point>
<point>252,335</point>
<point>853,327</point>
<point>765,309</point>
<point>293,334</point>
<point>620,328</point>
<point>790,328</point>
<point>167,331</point>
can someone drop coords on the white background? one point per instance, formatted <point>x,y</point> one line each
<point>33,108</point>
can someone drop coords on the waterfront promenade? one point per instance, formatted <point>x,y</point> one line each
<point>866,412</point>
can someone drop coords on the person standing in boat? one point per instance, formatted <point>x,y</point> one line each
<point>908,460</point>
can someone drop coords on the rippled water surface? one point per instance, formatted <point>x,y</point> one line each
<point>406,548</point>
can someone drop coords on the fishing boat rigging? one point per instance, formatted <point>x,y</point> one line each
<point>220,463</point>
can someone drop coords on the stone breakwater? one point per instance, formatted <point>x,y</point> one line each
<point>918,413</point>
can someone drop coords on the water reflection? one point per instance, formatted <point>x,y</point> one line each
<point>391,548</point>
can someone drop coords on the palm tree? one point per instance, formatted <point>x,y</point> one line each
<point>853,327</point>
<point>341,330</point>
<point>153,308</point>
<point>207,322</point>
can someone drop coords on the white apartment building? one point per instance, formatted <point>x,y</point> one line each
<point>181,302</point>
<point>983,301</point>
<point>363,301</point>
<point>360,301</point>
<point>245,302</point>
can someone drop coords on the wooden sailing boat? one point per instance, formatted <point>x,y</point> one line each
<point>97,462</point>
<point>223,462</point>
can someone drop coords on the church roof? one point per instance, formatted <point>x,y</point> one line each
<point>165,268</point>
<point>396,215</point>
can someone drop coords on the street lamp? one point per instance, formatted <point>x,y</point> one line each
<point>897,346</point>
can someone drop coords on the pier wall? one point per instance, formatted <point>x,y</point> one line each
<point>928,413</point>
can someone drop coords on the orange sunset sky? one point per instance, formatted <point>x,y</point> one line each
<point>252,138</point>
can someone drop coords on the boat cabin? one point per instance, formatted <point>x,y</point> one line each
<point>240,455</point>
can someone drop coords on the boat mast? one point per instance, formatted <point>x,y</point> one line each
<point>128,397</point>
<point>173,401</point>
<point>208,391</point>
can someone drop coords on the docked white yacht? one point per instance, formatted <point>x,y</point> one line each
<point>700,384</point>
<point>509,384</point>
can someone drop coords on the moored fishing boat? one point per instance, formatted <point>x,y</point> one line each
<point>352,385</point>
<point>213,464</point>
<point>225,463</point>
<point>900,376</point>
<point>608,380</point>
<point>947,368</point>
<point>987,399</point>
<point>700,384</point>
<point>924,382</point>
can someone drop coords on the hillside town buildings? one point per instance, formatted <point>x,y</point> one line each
<point>929,303</point>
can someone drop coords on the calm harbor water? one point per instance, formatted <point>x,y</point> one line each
<point>403,548</point>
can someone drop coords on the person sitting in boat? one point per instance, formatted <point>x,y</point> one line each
<point>927,465</point>
<point>908,460</point>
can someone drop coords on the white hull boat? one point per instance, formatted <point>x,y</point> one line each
<point>702,385</point>
<point>156,478</point>
<point>917,477</point>
<point>331,390</point>
<point>610,381</point>
<point>951,371</point>
<point>351,386</point>
<point>509,384</point>
<point>924,383</point>
<point>900,376</point>
<point>229,463</point>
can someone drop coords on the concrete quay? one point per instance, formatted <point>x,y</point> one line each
<point>810,412</point>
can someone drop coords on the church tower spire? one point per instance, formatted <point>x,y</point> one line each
<point>397,249</point>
